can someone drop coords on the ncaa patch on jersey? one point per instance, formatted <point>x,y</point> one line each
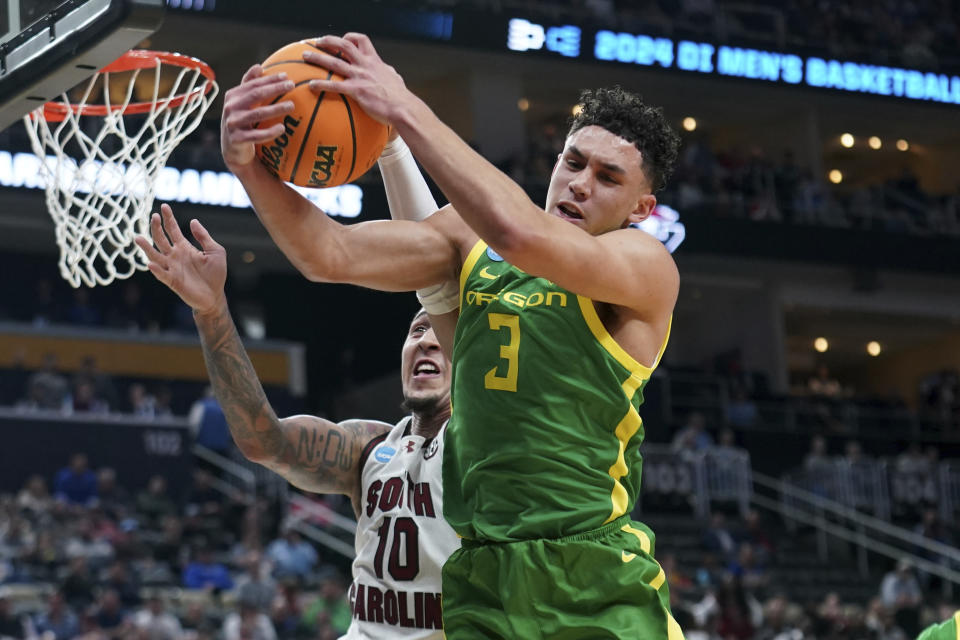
<point>384,453</point>
<point>493,255</point>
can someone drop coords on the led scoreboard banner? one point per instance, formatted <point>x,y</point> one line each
<point>477,29</point>
<point>640,50</point>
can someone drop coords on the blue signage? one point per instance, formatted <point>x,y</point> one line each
<point>752,64</point>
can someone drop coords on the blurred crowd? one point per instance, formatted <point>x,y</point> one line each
<point>89,558</point>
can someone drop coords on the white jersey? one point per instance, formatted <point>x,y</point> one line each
<point>402,539</point>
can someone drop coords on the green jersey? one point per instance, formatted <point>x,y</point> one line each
<point>949,630</point>
<point>544,437</point>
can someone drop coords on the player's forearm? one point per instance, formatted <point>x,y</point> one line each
<point>497,208</point>
<point>305,235</point>
<point>253,424</point>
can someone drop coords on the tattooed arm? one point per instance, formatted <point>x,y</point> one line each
<point>311,453</point>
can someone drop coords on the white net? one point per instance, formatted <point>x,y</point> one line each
<point>101,162</point>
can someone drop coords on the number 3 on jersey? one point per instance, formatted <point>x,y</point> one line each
<point>406,534</point>
<point>509,352</point>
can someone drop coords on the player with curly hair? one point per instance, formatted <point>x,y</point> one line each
<point>564,312</point>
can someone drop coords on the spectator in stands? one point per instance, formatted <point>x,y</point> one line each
<point>718,538</point>
<point>817,462</point>
<point>84,399</point>
<point>83,542</point>
<point>58,618</point>
<point>163,402</point>
<point>46,556</point>
<point>170,548</point>
<point>77,585</point>
<point>139,402</point>
<point>681,585</point>
<point>912,461</point>
<point>103,386</point>
<point>110,615</point>
<point>154,622</point>
<point>291,555</point>
<point>741,411</point>
<point>693,437</point>
<point>34,499</point>
<point>286,611</point>
<point>734,621</point>
<point>82,311</point>
<point>205,508</point>
<point>331,608</point>
<point>127,586</point>
<point>76,484</point>
<point>205,572</point>
<point>46,307</point>
<point>112,498</point>
<point>823,385</point>
<point>47,389</point>
<point>209,425</point>
<point>255,581</point>
<point>745,567</point>
<point>153,503</point>
<point>11,625</point>
<point>933,529</point>
<point>901,594</point>
<point>249,623</point>
<point>131,314</point>
<point>754,534</point>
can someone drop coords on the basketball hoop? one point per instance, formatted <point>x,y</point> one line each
<point>101,160</point>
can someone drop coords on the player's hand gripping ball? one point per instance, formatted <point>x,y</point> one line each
<point>327,139</point>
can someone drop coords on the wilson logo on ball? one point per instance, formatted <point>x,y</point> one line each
<point>328,140</point>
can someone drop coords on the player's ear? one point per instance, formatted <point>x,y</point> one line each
<point>645,206</point>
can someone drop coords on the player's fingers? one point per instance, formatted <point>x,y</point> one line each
<point>154,256</point>
<point>258,92</point>
<point>335,86</point>
<point>170,224</point>
<point>329,62</point>
<point>246,119</point>
<point>207,243</point>
<point>252,73</point>
<point>159,237</point>
<point>337,44</point>
<point>257,135</point>
<point>361,41</point>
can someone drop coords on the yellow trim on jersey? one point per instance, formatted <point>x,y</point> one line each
<point>589,311</point>
<point>631,422</point>
<point>956,624</point>
<point>627,428</point>
<point>641,535</point>
<point>674,632</point>
<point>469,264</point>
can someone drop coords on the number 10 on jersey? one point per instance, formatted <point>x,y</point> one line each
<point>405,534</point>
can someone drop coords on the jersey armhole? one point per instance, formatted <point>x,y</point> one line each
<point>365,454</point>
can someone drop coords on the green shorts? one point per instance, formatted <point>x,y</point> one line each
<point>599,584</point>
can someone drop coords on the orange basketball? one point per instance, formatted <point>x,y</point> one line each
<point>328,139</point>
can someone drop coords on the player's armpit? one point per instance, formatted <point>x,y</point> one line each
<point>323,456</point>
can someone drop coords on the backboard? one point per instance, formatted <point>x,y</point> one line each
<point>49,46</point>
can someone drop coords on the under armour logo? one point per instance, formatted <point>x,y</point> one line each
<point>410,445</point>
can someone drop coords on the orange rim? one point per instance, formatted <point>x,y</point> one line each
<point>131,61</point>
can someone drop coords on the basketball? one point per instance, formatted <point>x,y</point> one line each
<point>328,140</point>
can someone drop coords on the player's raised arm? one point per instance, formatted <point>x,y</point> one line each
<point>386,255</point>
<point>312,453</point>
<point>409,198</point>
<point>637,275</point>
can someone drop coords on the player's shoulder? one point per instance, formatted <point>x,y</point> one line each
<point>365,430</point>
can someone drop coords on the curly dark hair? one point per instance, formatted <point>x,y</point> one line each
<point>625,114</point>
